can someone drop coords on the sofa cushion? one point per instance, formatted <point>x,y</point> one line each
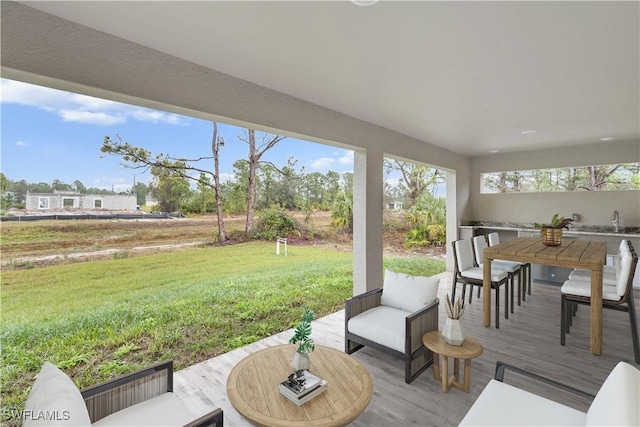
<point>408,293</point>
<point>54,400</point>
<point>616,403</point>
<point>501,404</point>
<point>383,325</point>
<point>164,410</point>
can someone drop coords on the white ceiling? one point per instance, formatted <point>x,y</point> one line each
<point>467,76</point>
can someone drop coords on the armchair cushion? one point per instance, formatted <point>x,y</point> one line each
<point>164,410</point>
<point>408,293</point>
<point>54,400</point>
<point>501,404</point>
<point>383,325</point>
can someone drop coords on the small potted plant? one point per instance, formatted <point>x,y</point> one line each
<point>452,332</point>
<point>302,337</point>
<point>552,233</point>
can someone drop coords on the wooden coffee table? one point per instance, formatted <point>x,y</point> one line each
<point>253,383</point>
<point>469,349</point>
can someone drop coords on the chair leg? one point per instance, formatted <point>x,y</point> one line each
<point>497,308</point>
<point>454,287</point>
<point>520,284</point>
<point>506,299</point>
<point>563,318</point>
<point>512,291</point>
<point>529,277</point>
<point>634,328</point>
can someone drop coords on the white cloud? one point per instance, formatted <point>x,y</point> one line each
<point>80,108</point>
<point>342,158</point>
<point>100,119</point>
<point>322,163</point>
<point>227,177</point>
<point>347,158</point>
<point>21,143</point>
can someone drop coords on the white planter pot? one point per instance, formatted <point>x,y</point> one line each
<point>452,332</point>
<point>301,361</point>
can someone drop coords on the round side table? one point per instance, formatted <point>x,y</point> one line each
<point>469,349</point>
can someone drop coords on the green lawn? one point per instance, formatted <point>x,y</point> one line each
<point>98,319</point>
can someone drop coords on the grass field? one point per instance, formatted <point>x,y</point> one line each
<point>98,319</point>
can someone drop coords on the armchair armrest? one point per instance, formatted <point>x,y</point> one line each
<point>501,367</point>
<point>361,303</point>
<point>127,390</point>
<point>419,323</point>
<point>212,419</point>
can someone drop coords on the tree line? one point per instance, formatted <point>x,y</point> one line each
<point>624,176</point>
<point>194,186</point>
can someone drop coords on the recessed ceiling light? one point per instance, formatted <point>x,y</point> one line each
<point>493,151</point>
<point>527,132</point>
<point>364,2</point>
<point>607,138</point>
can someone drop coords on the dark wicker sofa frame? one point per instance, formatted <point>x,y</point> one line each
<point>130,389</point>
<point>417,358</point>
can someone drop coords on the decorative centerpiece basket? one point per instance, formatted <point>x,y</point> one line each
<point>552,233</point>
<point>551,236</point>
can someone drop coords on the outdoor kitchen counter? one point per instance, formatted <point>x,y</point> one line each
<point>625,232</point>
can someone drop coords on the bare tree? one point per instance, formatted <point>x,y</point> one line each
<point>141,158</point>
<point>217,143</point>
<point>255,154</point>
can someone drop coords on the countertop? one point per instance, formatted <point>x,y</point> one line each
<point>586,229</point>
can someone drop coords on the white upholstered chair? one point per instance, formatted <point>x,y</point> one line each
<point>617,296</point>
<point>468,273</point>
<point>511,267</point>
<point>524,285</point>
<point>393,319</point>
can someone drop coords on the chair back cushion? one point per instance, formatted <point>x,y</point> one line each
<point>408,293</point>
<point>464,254</point>
<point>54,400</point>
<point>479,245</point>
<point>494,238</point>
<point>622,281</point>
<point>616,403</point>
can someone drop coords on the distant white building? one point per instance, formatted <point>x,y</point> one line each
<point>72,200</point>
<point>396,206</point>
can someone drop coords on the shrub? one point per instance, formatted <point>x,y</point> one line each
<point>273,223</point>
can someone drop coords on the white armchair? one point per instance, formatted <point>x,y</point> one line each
<point>394,318</point>
<point>500,404</point>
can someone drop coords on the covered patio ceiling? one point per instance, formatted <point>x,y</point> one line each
<point>470,77</point>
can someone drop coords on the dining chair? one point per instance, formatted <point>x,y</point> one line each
<point>525,269</point>
<point>609,273</point>
<point>469,274</point>
<point>616,297</point>
<point>511,267</point>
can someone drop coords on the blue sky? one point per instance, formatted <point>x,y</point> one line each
<point>49,134</point>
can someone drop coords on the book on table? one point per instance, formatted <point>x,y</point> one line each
<point>302,386</point>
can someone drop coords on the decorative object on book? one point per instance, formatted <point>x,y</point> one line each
<point>302,337</point>
<point>302,386</point>
<point>452,331</point>
<point>552,233</point>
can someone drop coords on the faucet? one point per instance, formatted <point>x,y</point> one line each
<point>616,222</point>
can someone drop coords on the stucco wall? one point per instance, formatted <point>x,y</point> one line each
<point>595,208</point>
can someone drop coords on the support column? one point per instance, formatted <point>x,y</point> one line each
<point>367,221</point>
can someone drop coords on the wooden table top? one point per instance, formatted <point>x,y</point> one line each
<point>585,254</point>
<point>469,349</point>
<point>253,384</point>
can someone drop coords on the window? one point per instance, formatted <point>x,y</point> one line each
<point>97,203</point>
<point>43,202</point>
<point>69,202</point>
<point>583,178</point>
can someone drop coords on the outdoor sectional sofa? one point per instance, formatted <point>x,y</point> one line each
<point>141,398</point>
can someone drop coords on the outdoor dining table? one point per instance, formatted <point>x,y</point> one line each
<point>581,254</point>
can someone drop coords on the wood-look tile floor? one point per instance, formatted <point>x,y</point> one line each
<point>529,339</point>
